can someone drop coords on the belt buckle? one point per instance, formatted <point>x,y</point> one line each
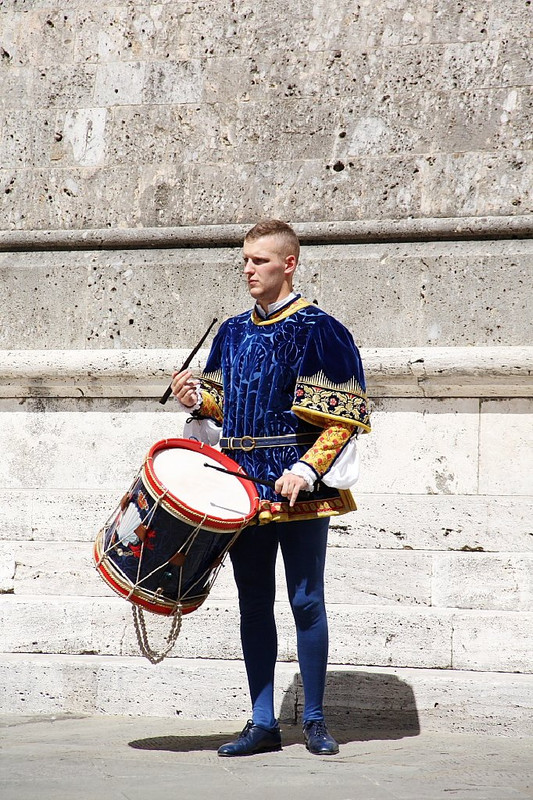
<point>247,447</point>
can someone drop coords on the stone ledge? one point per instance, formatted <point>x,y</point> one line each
<point>335,232</point>
<point>391,372</point>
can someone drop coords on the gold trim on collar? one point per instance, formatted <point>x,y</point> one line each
<point>283,313</point>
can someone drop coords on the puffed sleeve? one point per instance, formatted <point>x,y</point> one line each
<point>330,387</point>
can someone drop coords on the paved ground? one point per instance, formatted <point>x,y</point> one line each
<point>122,758</point>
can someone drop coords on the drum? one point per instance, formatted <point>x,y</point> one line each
<point>162,547</point>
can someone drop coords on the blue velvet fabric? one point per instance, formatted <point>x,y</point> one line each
<point>260,365</point>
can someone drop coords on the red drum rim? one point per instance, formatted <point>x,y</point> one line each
<point>174,504</point>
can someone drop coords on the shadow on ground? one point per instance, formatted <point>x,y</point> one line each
<point>359,706</point>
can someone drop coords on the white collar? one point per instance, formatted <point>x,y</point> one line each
<point>273,307</point>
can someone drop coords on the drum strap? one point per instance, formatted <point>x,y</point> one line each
<point>248,443</point>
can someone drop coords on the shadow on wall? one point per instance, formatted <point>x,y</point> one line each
<point>369,705</point>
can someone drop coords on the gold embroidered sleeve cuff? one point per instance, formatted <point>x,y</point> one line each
<point>318,401</point>
<point>212,397</point>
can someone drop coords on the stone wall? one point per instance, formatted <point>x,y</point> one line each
<point>138,140</point>
<point>130,114</point>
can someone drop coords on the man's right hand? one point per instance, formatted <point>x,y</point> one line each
<point>184,387</point>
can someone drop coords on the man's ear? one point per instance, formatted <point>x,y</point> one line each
<point>290,265</point>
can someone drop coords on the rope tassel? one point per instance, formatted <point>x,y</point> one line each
<point>154,656</point>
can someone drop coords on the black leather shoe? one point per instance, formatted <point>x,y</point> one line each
<point>252,739</point>
<point>317,739</point>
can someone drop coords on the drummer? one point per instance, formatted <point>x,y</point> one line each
<point>285,384</point>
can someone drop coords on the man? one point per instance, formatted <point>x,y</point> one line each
<point>286,384</point>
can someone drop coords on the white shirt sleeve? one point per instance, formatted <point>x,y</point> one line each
<point>202,430</point>
<point>345,469</point>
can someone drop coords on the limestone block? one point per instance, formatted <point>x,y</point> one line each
<point>66,516</point>
<point>434,452</point>
<point>161,297</point>
<point>506,438</point>
<point>48,684</point>
<point>15,508</point>
<point>82,197</point>
<point>44,37</point>
<point>483,581</point>
<point>101,35</point>
<point>47,297</point>
<point>64,86</point>
<point>189,691</point>
<point>416,283</point>
<point>57,625</point>
<point>499,640</point>
<point>57,568</point>
<point>404,636</point>
<point>40,447</point>
<point>436,522</point>
<point>7,567</point>
<point>17,85</point>
<point>516,56</point>
<point>174,82</point>
<point>511,519</point>
<point>433,700</point>
<point>489,173</point>
<point>27,137</point>
<point>419,522</point>
<point>84,132</point>
<point>146,133</point>
<point>452,21</point>
<point>131,687</point>
<point>251,133</point>
<point>469,64</point>
<point>104,625</point>
<point>119,83</point>
<point>393,25</point>
<point>363,577</point>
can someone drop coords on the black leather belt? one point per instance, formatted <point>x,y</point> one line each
<point>248,443</point>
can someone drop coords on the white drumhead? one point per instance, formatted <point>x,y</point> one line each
<point>184,474</point>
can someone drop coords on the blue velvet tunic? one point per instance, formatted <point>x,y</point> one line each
<point>292,373</point>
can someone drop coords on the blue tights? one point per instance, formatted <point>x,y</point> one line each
<point>303,546</point>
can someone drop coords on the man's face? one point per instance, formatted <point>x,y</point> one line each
<point>267,269</point>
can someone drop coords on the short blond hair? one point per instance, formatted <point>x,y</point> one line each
<point>275,227</point>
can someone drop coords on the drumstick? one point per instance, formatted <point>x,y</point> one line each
<point>188,361</point>
<point>270,484</point>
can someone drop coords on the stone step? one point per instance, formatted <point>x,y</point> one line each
<point>486,581</point>
<point>404,636</point>
<point>386,521</point>
<point>368,698</point>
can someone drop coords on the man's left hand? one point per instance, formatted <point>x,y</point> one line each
<point>289,485</point>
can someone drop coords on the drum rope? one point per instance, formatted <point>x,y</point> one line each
<point>189,542</point>
<point>155,656</point>
<point>214,573</point>
<point>139,581</point>
<point>147,520</point>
